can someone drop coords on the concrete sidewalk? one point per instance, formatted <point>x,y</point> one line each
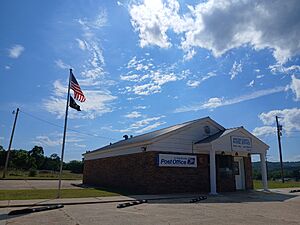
<point>38,184</point>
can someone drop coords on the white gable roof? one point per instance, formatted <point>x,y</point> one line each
<point>153,136</point>
<point>223,141</point>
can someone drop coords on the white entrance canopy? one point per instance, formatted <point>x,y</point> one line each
<point>236,142</point>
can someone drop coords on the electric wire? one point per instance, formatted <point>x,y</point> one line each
<point>56,125</point>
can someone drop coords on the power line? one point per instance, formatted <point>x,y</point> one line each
<point>56,125</point>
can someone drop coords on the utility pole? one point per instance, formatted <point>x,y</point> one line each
<point>10,142</point>
<point>279,129</point>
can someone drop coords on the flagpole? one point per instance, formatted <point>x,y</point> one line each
<point>64,137</point>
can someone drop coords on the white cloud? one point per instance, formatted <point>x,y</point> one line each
<point>140,126</point>
<point>89,25</point>
<point>218,102</point>
<point>133,114</point>
<point>81,44</point>
<point>149,20</point>
<point>251,84</point>
<point>98,103</point>
<point>59,89</point>
<point>62,65</point>
<point>235,70</point>
<point>55,139</point>
<point>279,68</point>
<point>79,145</point>
<point>7,67</point>
<point>150,127</point>
<point>148,78</point>
<point>16,51</point>
<point>196,83</point>
<point>193,83</point>
<point>45,141</point>
<point>273,25</point>
<point>288,118</point>
<point>140,107</point>
<point>264,131</point>
<point>190,53</point>
<point>295,86</point>
<point>98,98</point>
<point>133,77</point>
<point>145,124</point>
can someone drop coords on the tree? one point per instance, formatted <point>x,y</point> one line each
<point>20,159</point>
<point>38,154</point>
<point>52,162</point>
<point>75,166</point>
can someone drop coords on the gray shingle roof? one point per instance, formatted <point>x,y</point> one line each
<point>217,135</point>
<point>148,136</point>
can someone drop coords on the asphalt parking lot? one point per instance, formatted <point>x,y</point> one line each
<point>232,208</point>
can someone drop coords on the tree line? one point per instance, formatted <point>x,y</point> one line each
<point>291,170</point>
<point>35,159</point>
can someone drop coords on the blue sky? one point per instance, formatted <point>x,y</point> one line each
<point>145,65</point>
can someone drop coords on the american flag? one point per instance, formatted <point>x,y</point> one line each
<point>78,94</point>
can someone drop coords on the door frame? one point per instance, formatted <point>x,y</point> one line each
<point>240,182</point>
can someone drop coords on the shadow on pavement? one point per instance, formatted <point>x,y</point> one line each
<point>233,197</point>
<point>229,197</point>
<point>6,217</point>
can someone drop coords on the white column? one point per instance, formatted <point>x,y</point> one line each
<point>212,171</point>
<point>264,171</point>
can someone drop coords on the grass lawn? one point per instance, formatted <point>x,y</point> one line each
<point>52,193</point>
<point>276,184</point>
<point>41,175</point>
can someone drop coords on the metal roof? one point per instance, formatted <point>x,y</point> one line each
<point>148,136</point>
<point>217,135</point>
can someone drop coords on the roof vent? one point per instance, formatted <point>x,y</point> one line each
<point>207,130</point>
<point>125,136</point>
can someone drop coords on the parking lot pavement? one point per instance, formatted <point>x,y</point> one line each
<point>234,208</point>
<point>37,184</point>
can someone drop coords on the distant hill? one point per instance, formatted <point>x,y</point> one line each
<point>291,170</point>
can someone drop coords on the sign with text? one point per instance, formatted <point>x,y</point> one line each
<point>241,143</point>
<point>170,160</point>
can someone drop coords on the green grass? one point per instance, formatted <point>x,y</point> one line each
<point>276,184</point>
<point>52,193</point>
<point>41,175</point>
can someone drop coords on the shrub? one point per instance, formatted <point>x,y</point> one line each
<point>32,173</point>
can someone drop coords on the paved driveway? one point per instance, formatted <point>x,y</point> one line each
<point>37,184</point>
<point>236,208</point>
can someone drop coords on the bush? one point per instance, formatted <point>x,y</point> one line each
<point>32,173</point>
<point>75,166</point>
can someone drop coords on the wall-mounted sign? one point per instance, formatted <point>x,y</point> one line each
<point>170,160</point>
<point>241,143</point>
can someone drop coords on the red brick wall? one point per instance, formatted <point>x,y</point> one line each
<point>248,173</point>
<point>139,173</point>
<point>225,176</point>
